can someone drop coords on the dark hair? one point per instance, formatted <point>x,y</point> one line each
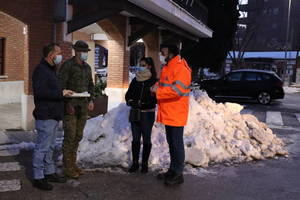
<point>49,48</point>
<point>173,49</point>
<point>149,61</point>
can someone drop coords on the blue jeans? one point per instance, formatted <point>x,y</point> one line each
<point>176,148</point>
<point>42,161</point>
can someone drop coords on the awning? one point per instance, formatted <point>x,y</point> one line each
<point>174,14</point>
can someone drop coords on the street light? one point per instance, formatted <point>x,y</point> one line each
<point>287,37</point>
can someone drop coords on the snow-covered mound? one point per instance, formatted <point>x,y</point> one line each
<point>216,133</point>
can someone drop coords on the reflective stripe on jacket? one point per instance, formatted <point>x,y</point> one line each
<point>173,93</point>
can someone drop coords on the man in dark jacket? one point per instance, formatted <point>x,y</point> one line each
<point>48,100</point>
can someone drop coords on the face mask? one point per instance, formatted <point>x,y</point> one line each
<point>57,60</point>
<point>142,68</point>
<point>83,56</point>
<point>162,59</point>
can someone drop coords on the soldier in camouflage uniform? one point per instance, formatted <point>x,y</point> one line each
<point>76,75</point>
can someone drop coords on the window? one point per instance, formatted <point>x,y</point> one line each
<point>275,11</point>
<point>234,77</point>
<point>274,26</point>
<point>250,76</point>
<point>266,76</point>
<point>2,43</point>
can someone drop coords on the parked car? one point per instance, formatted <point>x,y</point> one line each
<point>246,83</point>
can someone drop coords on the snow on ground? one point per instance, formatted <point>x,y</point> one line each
<point>216,133</point>
<point>290,90</point>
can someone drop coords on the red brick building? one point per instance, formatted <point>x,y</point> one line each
<point>26,26</point>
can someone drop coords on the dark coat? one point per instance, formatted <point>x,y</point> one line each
<point>139,94</point>
<point>47,92</point>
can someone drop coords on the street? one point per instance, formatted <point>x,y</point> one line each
<point>266,180</point>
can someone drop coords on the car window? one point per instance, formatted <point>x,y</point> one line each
<point>250,76</point>
<point>234,76</point>
<point>266,76</point>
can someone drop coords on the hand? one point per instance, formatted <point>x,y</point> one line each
<point>91,106</point>
<point>154,88</point>
<point>67,93</point>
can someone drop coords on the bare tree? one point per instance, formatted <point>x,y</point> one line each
<point>245,34</point>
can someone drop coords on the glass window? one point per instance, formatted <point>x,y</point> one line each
<point>234,76</point>
<point>266,76</point>
<point>250,76</point>
<point>1,56</point>
<point>275,11</point>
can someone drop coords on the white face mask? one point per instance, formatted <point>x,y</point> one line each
<point>84,56</point>
<point>162,59</point>
<point>57,60</point>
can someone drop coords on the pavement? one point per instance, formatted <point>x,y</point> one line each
<point>272,179</point>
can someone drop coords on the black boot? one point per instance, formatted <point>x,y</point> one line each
<point>42,184</point>
<point>135,156</point>
<point>146,154</point>
<point>174,179</point>
<point>163,176</point>
<point>55,178</point>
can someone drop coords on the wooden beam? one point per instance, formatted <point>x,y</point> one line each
<point>140,34</point>
<point>85,20</point>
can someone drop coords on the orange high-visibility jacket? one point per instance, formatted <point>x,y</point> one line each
<point>173,93</point>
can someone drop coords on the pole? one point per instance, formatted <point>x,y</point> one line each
<point>287,38</point>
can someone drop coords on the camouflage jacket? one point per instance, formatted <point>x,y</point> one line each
<point>77,78</point>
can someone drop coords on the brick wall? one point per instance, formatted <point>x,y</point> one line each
<point>37,15</point>
<point>12,30</point>
<point>118,53</point>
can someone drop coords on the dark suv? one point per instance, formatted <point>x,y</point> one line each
<point>246,83</point>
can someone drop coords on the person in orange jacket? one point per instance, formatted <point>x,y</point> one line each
<point>172,93</point>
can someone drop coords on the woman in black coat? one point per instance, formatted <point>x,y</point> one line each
<point>142,103</point>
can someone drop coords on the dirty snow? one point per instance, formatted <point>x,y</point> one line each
<point>216,133</point>
<point>290,90</point>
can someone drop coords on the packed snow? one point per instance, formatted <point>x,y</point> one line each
<point>290,90</point>
<point>215,133</point>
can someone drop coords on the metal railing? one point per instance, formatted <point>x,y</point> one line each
<point>194,7</point>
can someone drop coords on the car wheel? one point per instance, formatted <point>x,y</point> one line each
<point>264,98</point>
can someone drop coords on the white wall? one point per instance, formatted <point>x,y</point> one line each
<point>11,91</point>
<point>298,76</point>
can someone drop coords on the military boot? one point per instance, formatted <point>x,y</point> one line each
<point>76,168</point>
<point>69,170</point>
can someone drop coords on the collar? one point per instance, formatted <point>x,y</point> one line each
<point>44,62</point>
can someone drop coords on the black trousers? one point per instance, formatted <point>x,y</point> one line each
<point>143,128</point>
<point>176,148</point>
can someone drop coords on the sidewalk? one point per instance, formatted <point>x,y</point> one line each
<point>10,116</point>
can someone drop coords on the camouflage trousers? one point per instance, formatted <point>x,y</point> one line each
<point>74,123</point>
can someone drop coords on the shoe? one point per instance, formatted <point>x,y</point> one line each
<point>144,169</point>
<point>162,176</point>
<point>71,174</point>
<point>174,179</point>
<point>55,178</point>
<point>135,146</point>
<point>78,170</point>
<point>145,157</point>
<point>42,184</point>
<point>134,168</point>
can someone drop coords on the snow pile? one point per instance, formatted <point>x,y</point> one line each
<point>216,133</point>
<point>290,90</point>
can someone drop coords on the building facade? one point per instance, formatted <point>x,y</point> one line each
<point>110,27</point>
<point>266,22</point>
